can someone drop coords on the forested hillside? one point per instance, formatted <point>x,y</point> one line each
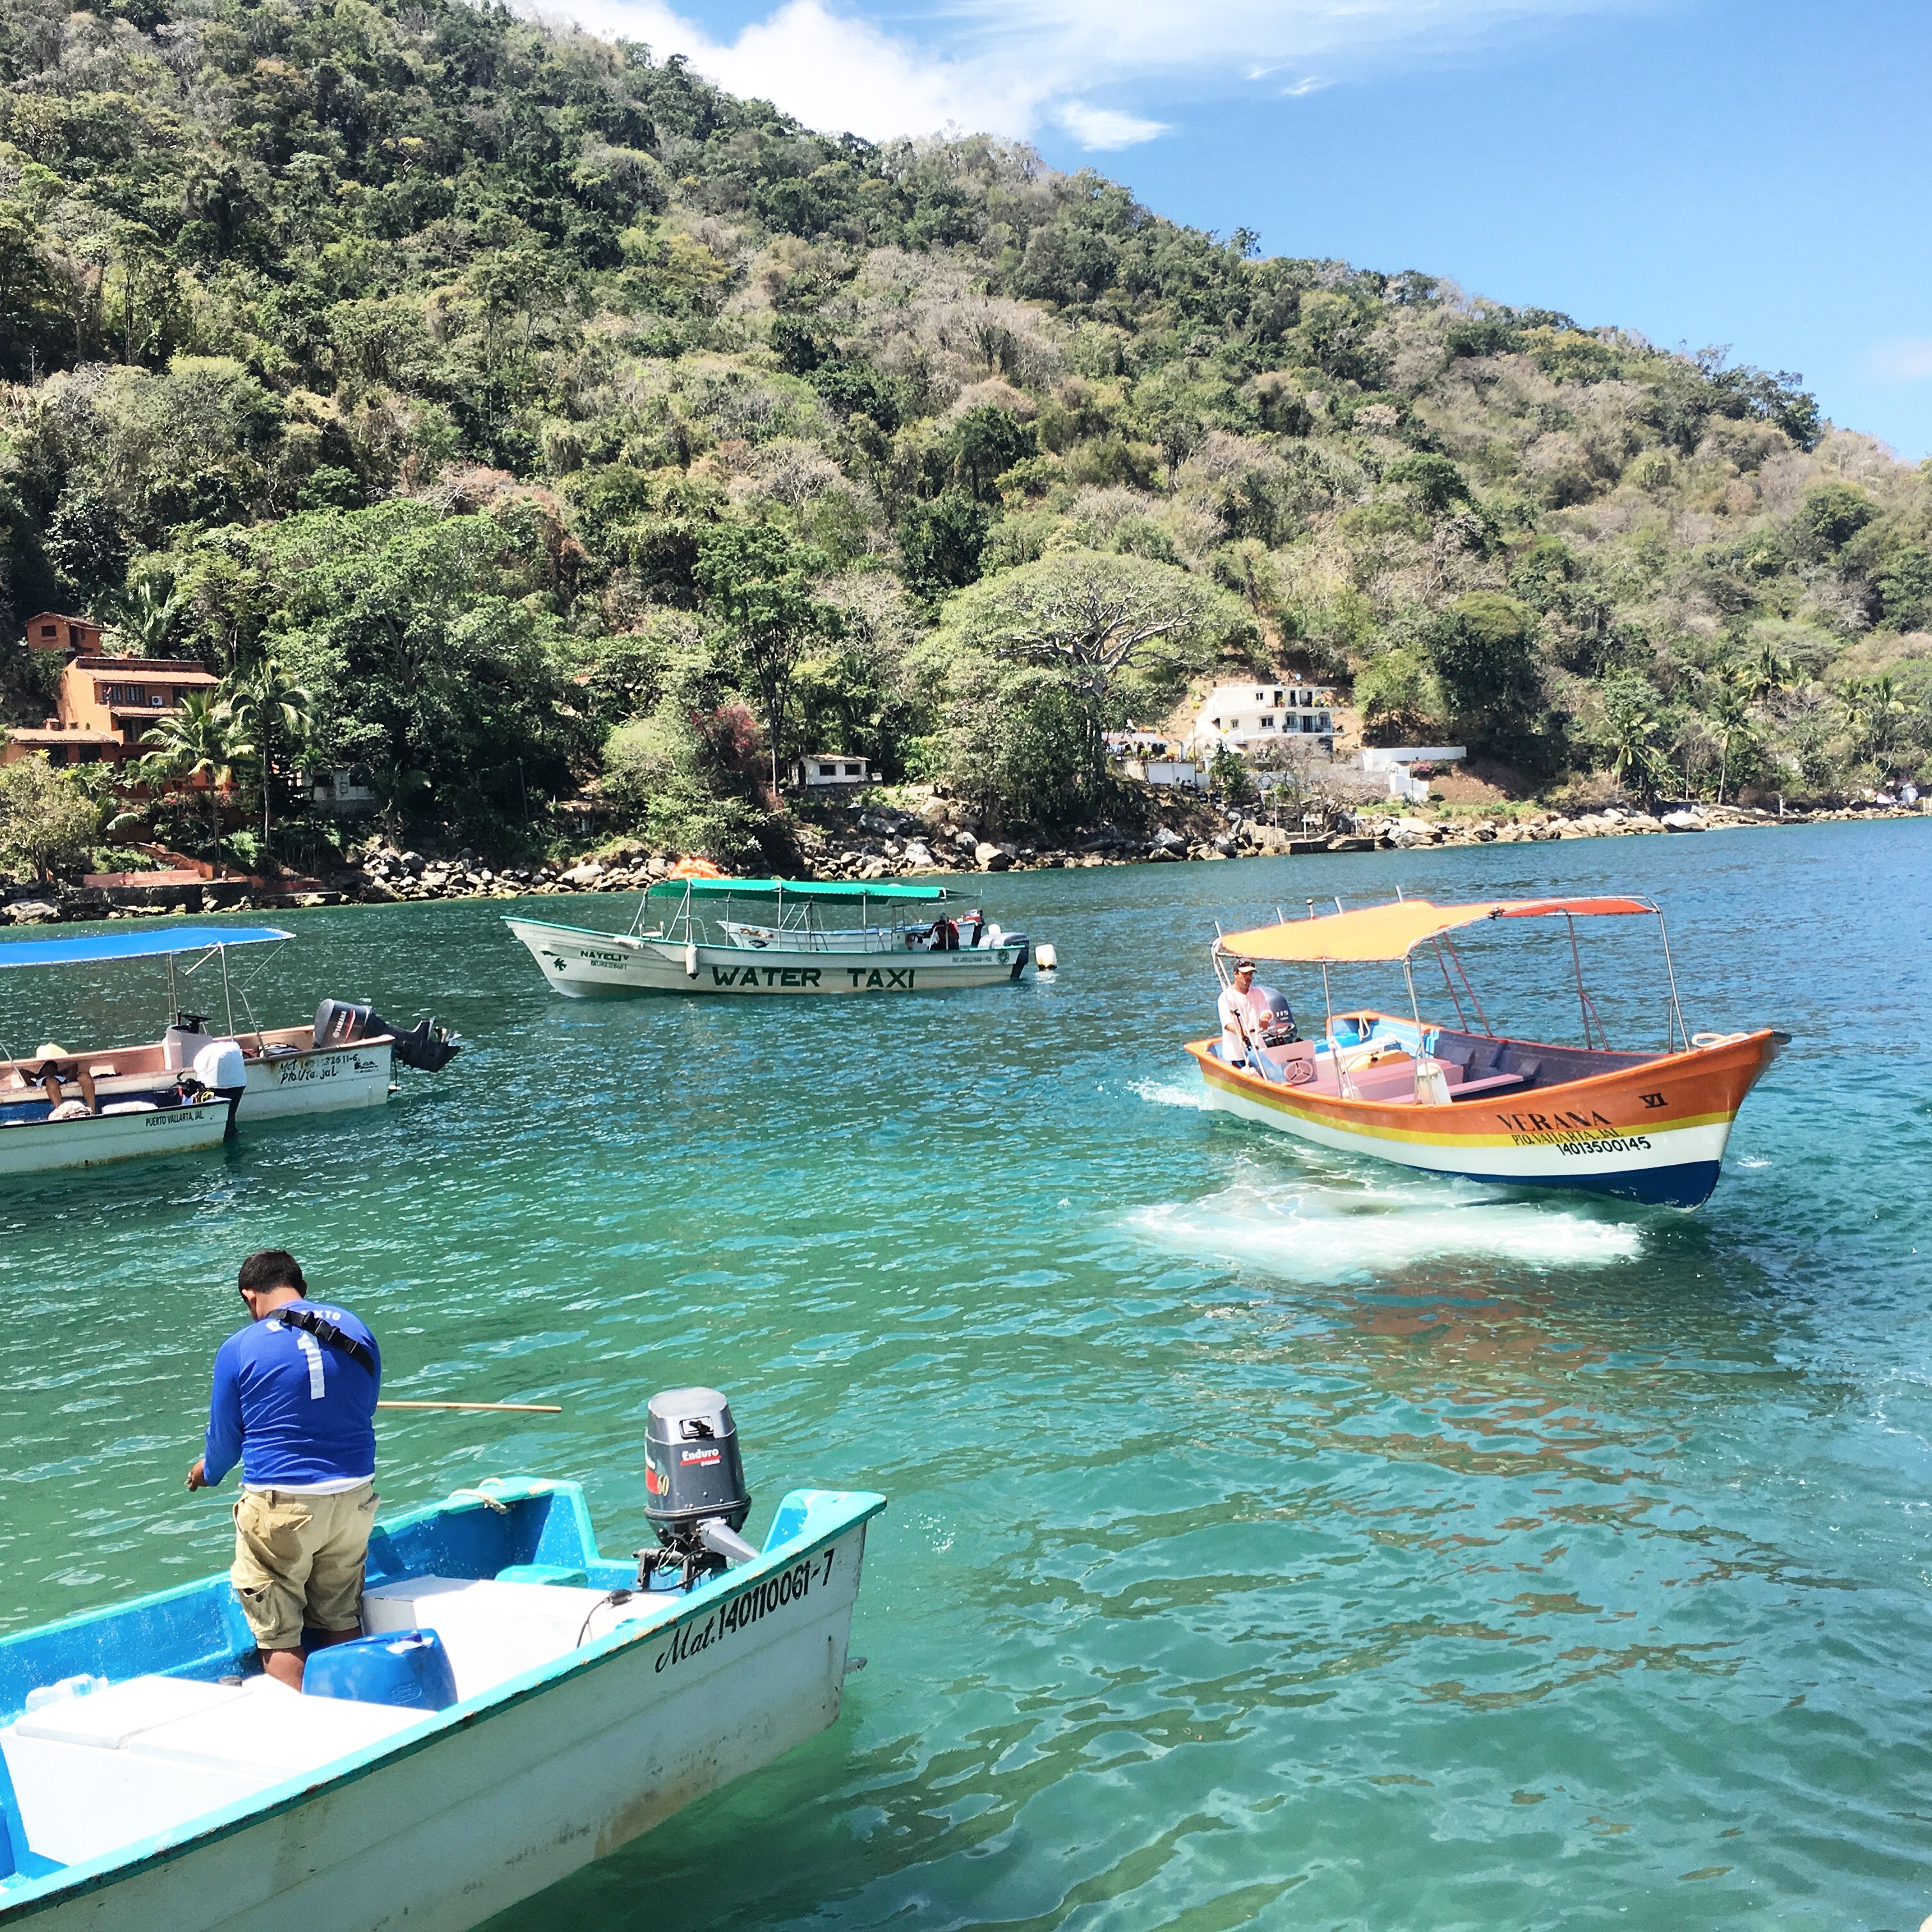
<point>552,419</point>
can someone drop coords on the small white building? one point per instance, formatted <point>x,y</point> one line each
<point>346,793</point>
<point>1182,772</point>
<point>1399,761</point>
<point>819,769</point>
<point>1246,717</point>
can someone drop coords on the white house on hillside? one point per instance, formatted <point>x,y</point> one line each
<point>1248,718</point>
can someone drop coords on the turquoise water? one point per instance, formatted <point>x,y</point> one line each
<point>1275,1539</point>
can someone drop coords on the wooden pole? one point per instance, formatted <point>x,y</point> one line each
<point>503,1408</point>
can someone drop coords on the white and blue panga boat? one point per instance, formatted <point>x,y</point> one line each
<point>520,1708</point>
<point>746,937</point>
<point>70,1107</point>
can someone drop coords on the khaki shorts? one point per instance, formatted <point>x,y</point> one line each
<point>298,1561</point>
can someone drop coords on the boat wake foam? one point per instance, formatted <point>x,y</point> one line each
<point>1164,1093</point>
<point>1321,1232</point>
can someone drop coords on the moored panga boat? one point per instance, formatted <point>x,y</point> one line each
<point>523,1705</point>
<point>80,1107</point>
<point>1465,1101</point>
<point>772,936</point>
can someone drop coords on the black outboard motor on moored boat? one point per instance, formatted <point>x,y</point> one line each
<point>695,1497</point>
<point>425,1046</point>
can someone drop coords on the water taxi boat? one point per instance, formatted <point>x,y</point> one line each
<point>1466,1101</point>
<point>62,1107</point>
<point>532,1709</point>
<point>786,948</point>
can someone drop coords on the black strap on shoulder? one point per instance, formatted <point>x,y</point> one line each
<point>323,1329</point>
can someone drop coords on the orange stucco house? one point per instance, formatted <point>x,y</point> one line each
<point>105,706</point>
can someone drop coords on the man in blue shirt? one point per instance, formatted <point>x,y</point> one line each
<point>295,1400</point>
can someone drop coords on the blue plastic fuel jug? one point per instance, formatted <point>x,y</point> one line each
<point>409,1667</point>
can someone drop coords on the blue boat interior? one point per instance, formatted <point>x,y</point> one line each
<point>129,1722</point>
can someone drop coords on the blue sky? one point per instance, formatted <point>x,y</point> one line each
<point>1752,172</point>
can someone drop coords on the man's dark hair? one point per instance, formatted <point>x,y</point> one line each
<point>271,1267</point>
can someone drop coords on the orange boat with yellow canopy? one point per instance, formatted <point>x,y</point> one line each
<point>1467,1101</point>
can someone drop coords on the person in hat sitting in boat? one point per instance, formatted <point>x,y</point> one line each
<point>295,1401</point>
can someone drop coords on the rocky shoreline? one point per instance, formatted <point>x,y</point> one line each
<point>884,843</point>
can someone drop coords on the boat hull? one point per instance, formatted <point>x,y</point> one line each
<point>584,965</point>
<point>498,1798</point>
<point>1654,1133</point>
<point>324,1080</point>
<point>53,1147</point>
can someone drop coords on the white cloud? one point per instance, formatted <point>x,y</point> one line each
<point>1099,129</point>
<point>834,73</point>
<point>1010,66</point>
<point>1905,358</point>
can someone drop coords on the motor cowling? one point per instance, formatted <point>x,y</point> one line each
<point>425,1046</point>
<point>694,1492</point>
<point>220,1067</point>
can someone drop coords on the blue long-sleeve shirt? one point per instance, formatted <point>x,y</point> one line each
<point>298,1412</point>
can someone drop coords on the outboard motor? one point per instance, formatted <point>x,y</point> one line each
<point>219,1067</point>
<point>695,1497</point>
<point>425,1046</point>
<point>1282,1031</point>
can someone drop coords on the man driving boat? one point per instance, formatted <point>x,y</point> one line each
<point>1245,1014</point>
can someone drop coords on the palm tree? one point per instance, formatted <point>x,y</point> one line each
<point>278,716</point>
<point>145,616</point>
<point>198,741</point>
<point>1728,714</point>
<point>1771,674</point>
<point>1631,738</point>
<point>1876,716</point>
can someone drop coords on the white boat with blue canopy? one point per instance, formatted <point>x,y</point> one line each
<point>520,1707</point>
<point>762,937</point>
<point>67,1108</point>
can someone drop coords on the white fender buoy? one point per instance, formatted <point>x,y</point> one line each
<point>1044,959</point>
<point>691,962</point>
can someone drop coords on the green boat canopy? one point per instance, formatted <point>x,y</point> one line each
<point>792,889</point>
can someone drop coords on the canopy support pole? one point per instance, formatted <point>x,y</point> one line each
<point>1676,1012</point>
<point>227,996</point>
<point>1461,1022</point>
<point>1343,1085</point>
<point>1583,1000</point>
<point>1463,972</point>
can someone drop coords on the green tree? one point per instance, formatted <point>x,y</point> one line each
<point>146,616</point>
<point>1483,649</point>
<point>425,654</point>
<point>758,581</point>
<point>198,744</point>
<point>1727,716</point>
<point>1831,515</point>
<point>940,543</point>
<point>48,822</point>
<point>1632,736</point>
<point>1098,621</point>
<point>277,716</point>
<point>1878,716</point>
<point>1229,776</point>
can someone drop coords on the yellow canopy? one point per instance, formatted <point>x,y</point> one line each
<point>1389,932</point>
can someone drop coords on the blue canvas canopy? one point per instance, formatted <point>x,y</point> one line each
<point>157,943</point>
